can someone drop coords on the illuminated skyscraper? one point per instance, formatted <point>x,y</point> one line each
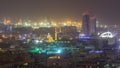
<point>93,25</point>
<point>86,23</point>
<point>89,23</point>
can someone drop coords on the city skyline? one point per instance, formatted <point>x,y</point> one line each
<point>107,12</point>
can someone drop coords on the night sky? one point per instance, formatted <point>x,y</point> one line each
<point>107,11</point>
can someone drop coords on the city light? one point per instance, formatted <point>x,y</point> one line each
<point>107,35</point>
<point>96,51</point>
<point>38,41</point>
<point>27,24</point>
<point>8,22</point>
<point>59,34</point>
<point>59,51</point>
<point>84,37</point>
<point>36,50</point>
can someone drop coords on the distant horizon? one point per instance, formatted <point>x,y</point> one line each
<point>107,12</point>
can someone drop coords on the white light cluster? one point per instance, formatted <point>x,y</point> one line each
<point>107,35</point>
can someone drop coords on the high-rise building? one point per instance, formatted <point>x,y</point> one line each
<point>86,23</point>
<point>89,23</point>
<point>93,25</point>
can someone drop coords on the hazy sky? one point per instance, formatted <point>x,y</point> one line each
<point>107,11</point>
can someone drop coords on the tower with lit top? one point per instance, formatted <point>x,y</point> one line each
<point>93,25</point>
<point>89,23</point>
<point>86,22</point>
